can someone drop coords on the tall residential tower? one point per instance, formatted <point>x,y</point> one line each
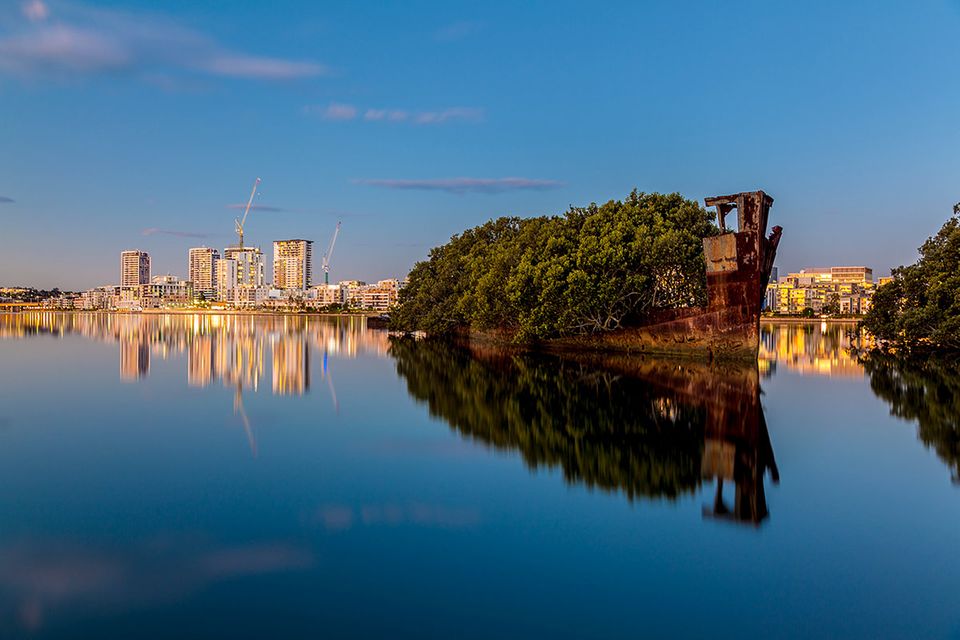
<point>201,271</point>
<point>134,268</point>
<point>292,264</point>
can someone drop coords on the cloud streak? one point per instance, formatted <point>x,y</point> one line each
<point>461,186</point>
<point>83,41</point>
<point>340,111</point>
<point>150,231</point>
<point>6,200</point>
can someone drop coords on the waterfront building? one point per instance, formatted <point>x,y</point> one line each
<point>292,264</point>
<point>351,291</point>
<point>99,298</point>
<point>165,290</point>
<point>201,271</point>
<point>226,279</point>
<point>134,268</point>
<point>248,296</point>
<point>851,275</point>
<point>381,296</point>
<point>844,290</point>
<point>324,295</point>
<point>249,265</point>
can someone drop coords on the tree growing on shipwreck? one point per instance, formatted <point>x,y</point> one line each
<point>591,270</point>
<point>648,275</point>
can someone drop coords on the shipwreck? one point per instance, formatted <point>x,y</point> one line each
<point>738,265</point>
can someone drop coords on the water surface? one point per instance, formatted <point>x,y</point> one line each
<point>246,477</point>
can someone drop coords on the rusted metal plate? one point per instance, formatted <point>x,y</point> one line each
<point>720,253</point>
<point>718,459</point>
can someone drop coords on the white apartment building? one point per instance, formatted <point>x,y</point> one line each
<point>98,298</point>
<point>134,268</point>
<point>201,271</point>
<point>226,279</point>
<point>324,295</point>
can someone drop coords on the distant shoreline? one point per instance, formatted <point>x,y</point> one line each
<point>218,312</point>
<point>796,320</point>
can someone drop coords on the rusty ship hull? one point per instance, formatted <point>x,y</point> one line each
<point>738,266</point>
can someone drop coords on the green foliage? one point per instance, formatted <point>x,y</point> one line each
<point>592,269</point>
<point>919,311</point>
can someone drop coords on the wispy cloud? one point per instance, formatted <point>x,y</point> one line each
<point>457,113</point>
<point>340,111</point>
<point>6,200</point>
<point>77,40</point>
<point>390,115</point>
<point>333,111</point>
<point>457,31</point>
<point>35,10</point>
<point>258,207</point>
<point>465,185</point>
<point>172,232</point>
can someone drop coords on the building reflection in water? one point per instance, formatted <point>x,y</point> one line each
<point>231,349</point>
<point>644,428</point>
<point>809,348</point>
<point>134,360</point>
<point>640,427</point>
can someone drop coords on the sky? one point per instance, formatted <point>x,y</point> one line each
<point>143,125</point>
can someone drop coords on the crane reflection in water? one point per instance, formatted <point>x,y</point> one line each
<point>235,350</point>
<point>640,427</point>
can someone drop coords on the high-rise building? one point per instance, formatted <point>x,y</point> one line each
<point>201,271</point>
<point>249,265</point>
<point>292,264</point>
<point>134,268</point>
<point>226,279</point>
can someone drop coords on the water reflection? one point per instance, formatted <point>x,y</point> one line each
<point>928,393</point>
<point>809,348</point>
<point>226,348</point>
<point>646,428</point>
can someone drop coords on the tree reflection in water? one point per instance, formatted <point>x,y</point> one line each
<point>648,428</point>
<point>927,392</point>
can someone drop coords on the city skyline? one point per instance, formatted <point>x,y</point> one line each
<point>421,129</point>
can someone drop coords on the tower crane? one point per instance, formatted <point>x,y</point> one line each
<point>326,257</point>
<point>239,223</point>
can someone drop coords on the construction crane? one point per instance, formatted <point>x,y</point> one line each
<point>245,212</point>
<point>326,257</point>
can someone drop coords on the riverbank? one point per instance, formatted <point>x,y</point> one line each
<point>798,320</point>
<point>214,312</point>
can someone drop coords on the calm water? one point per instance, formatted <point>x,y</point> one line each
<point>251,477</point>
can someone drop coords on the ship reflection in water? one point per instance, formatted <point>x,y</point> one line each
<point>573,496</point>
<point>643,427</point>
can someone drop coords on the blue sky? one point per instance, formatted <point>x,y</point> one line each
<point>137,125</point>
